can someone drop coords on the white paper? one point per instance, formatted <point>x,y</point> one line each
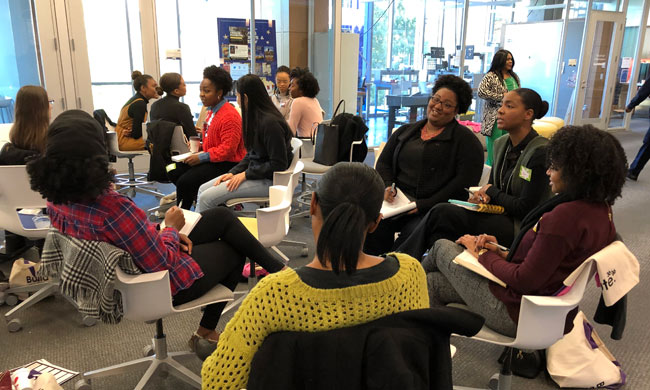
<point>191,219</point>
<point>470,262</point>
<point>181,157</point>
<point>400,204</point>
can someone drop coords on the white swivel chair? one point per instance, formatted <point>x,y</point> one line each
<point>16,194</point>
<point>541,324</point>
<point>130,183</point>
<point>147,297</point>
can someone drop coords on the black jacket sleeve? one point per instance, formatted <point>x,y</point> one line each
<point>642,95</point>
<point>531,196</point>
<point>385,163</point>
<point>274,140</point>
<point>137,111</point>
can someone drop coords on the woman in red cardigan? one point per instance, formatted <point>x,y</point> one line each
<point>223,144</point>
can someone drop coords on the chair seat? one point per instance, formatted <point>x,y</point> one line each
<point>129,153</point>
<point>314,168</point>
<point>218,293</point>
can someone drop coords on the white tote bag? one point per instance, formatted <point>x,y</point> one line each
<point>581,359</point>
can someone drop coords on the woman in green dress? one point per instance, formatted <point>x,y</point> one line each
<point>499,80</point>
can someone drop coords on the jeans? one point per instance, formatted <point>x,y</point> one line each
<point>211,196</point>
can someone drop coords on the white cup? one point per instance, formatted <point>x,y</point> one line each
<point>195,144</point>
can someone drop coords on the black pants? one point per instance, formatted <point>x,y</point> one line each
<point>445,220</point>
<point>382,240</point>
<point>221,244</point>
<point>188,179</point>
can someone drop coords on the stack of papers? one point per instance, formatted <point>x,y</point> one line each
<point>400,204</point>
<point>470,262</point>
<point>191,219</point>
<point>181,157</point>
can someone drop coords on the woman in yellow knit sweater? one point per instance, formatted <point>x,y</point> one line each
<point>341,287</point>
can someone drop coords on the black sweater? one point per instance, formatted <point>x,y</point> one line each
<point>271,150</point>
<point>12,155</point>
<point>170,109</point>
<point>450,162</point>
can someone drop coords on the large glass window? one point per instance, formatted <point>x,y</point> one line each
<point>114,43</point>
<point>19,63</point>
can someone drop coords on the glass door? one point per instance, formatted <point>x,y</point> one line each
<point>599,63</point>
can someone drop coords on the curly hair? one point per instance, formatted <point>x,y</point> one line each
<point>591,162</point>
<point>298,72</point>
<point>459,87</point>
<point>219,78</point>
<point>308,85</point>
<point>63,180</point>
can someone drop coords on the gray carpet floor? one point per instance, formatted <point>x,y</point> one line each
<point>52,329</point>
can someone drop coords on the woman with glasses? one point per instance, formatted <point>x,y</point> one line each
<point>517,181</point>
<point>430,161</point>
<point>498,81</point>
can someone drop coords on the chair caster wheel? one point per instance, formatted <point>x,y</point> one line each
<point>163,372</point>
<point>88,321</point>
<point>304,252</point>
<point>148,350</point>
<point>11,299</point>
<point>82,384</point>
<point>14,325</point>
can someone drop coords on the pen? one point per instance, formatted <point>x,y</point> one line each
<point>503,248</point>
<point>392,188</point>
<point>469,191</point>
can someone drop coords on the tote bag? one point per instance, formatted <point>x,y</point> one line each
<point>326,140</point>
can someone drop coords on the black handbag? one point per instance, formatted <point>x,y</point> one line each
<point>326,140</point>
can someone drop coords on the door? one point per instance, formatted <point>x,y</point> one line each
<point>599,62</point>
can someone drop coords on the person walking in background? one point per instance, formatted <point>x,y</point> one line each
<point>281,96</point>
<point>498,81</point>
<point>643,155</point>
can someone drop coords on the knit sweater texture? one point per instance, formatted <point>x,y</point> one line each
<point>223,139</point>
<point>282,302</point>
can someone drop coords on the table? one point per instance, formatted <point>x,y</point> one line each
<point>394,102</point>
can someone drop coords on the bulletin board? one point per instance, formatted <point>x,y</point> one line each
<point>234,48</point>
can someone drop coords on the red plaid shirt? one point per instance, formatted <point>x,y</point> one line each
<point>115,219</point>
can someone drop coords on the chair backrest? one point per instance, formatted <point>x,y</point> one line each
<point>15,194</point>
<point>178,144</point>
<point>145,297</point>
<point>485,176</point>
<point>282,177</point>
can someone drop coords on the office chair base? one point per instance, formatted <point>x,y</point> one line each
<point>161,361</point>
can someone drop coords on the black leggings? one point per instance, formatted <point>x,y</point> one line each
<point>188,179</point>
<point>221,244</point>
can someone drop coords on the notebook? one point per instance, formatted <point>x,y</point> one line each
<point>181,157</point>
<point>191,219</point>
<point>470,262</point>
<point>401,204</point>
<point>481,208</point>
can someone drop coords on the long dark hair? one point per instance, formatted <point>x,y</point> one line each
<point>349,196</point>
<point>259,105</point>
<point>499,63</point>
<point>532,101</point>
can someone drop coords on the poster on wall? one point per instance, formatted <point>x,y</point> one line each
<point>234,48</point>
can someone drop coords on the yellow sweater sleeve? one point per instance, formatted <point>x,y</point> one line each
<point>282,302</point>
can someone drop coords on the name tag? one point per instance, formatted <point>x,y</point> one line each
<point>525,173</point>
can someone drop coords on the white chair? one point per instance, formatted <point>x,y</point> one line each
<point>16,194</point>
<point>147,297</point>
<point>132,182</point>
<point>541,324</point>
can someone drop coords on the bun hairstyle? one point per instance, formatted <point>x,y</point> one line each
<point>349,196</point>
<point>532,101</point>
<point>170,81</point>
<point>139,79</point>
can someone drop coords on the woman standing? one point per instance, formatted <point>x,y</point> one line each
<point>267,138</point>
<point>517,183</point>
<point>342,286</point>
<point>430,161</point>
<point>587,169</point>
<point>29,132</point>
<point>305,109</point>
<point>223,144</point>
<point>497,82</point>
<point>281,96</point>
<point>134,112</point>
<point>169,108</point>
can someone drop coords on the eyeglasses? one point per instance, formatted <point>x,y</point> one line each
<point>435,100</point>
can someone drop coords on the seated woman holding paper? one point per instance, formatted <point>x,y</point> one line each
<point>430,161</point>
<point>342,286</point>
<point>587,169</point>
<point>77,182</point>
<point>518,182</point>
<point>223,144</point>
<point>268,143</point>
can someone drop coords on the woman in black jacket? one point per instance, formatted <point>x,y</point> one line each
<point>169,108</point>
<point>430,161</point>
<point>267,138</point>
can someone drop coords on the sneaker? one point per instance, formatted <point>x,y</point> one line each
<point>201,346</point>
<point>632,176</point>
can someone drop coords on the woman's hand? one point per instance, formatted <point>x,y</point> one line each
<point>174,218</point>
<point>486,241</point>
<point>126,132</point>
<point>481,195</point>
<point>222,178</point>
<point>235,181</point>
<point>469,242</point>
<point>192,160</point>
<point>389,194</point>
<point>185,243</point>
